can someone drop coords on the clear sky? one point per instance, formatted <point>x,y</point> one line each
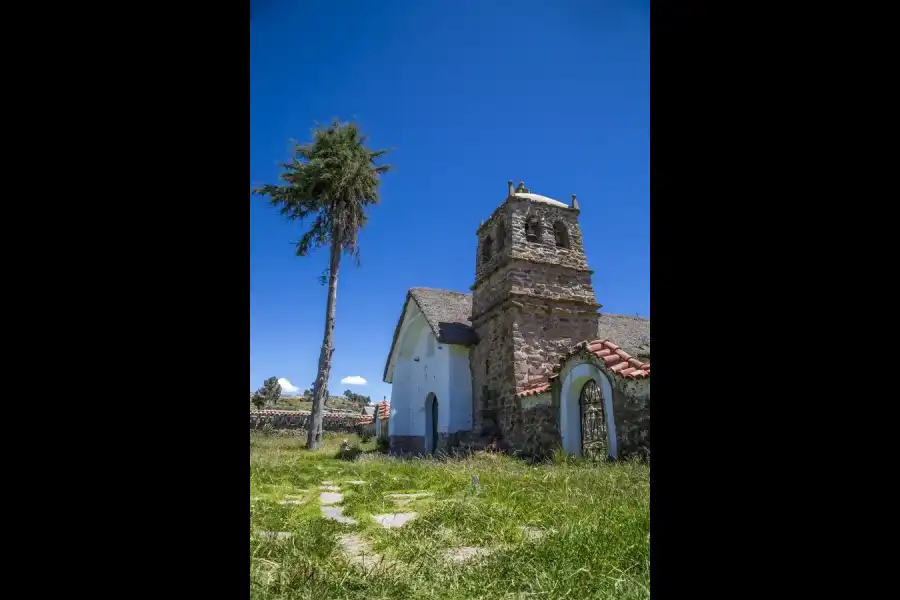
<point>470,93</point>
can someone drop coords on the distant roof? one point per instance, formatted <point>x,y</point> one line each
<point>369,410</point>
<point>631,334</point>
<point>447,314</point>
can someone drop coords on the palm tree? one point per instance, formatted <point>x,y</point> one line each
<point>330,182</point>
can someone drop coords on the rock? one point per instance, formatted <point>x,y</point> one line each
<point>465,554</point>
<point>394,520</point>
<point>276,535</point>
<point>331,497</point>
<point>336,513</point>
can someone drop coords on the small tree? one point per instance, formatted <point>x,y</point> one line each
<point>258,400</point>
<point>267,395</point>
<point>271,391</point>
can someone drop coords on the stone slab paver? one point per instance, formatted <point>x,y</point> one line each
<point>466,553</point>
<point>330,488</point>
<point>533,534</point>
<point>290,502</point>
<point>357,482</point>
<point>336,513</point>
<point>413,495</point>
<point>276,535</point>
<point>330,497</point>
<point>394,520</point>
<point>327,483</point>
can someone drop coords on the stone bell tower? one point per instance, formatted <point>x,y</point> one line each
<point>532,301</point>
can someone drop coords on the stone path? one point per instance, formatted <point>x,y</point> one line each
<point>393,520</point>
<point>330,498</point>
<point>412,496</point>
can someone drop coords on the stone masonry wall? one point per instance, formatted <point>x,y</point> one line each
<point>543,332</point>
<point>513,214</point>
<point>521,278</point>
<point>631,410</point>
<point>406,445</point>
<point>290,420</point>
<point>531,303</point>
<point>493,372</point>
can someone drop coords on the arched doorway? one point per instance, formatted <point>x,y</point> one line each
<point>594,437</point>
<point>431,423</point>
<point>575,378</point>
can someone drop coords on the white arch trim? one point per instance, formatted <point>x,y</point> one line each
<point>570,411</point>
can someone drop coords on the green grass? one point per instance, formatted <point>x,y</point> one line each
<point>596,521</point>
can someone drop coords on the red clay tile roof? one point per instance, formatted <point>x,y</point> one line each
<point>617,360</point>
<point>383,410</point>
<point>534,390</point>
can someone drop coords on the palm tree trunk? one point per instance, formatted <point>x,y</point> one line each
<point>320,393</point>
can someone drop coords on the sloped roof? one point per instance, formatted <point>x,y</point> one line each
<point>447,314</point>
<point>369,410</point>
<point>631,334</point>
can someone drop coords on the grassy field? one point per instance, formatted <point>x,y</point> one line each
<point>562,530</point>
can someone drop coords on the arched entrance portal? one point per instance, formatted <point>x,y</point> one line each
<point>431,423</point>
<point>586,382</point>
<point>594,438</point>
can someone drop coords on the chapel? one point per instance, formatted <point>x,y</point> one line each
<point>526,362</point>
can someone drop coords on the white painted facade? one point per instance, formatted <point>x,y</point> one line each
<point>421,366</point>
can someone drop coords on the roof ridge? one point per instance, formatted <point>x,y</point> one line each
<point>636,318</point>
<point>431,289</point>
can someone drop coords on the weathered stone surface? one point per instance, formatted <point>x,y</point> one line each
<point>357,482</point>
<point>508,224</point>
<point>336,513</point>
<point>394,520</point>
<point>276,535</point>
<point>339,423</point>
<point>533,534</point>
<point>330,497</point>
<point>327,483</point>
<point>631,408</point>
<point>359,553</point>
<point>401,445</point>
<point>329,488</point>
<point>412,495</point>
<point>532,302</point>
<point>465,554</point>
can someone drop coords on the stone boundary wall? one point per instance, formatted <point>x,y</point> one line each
<point>278,419</point>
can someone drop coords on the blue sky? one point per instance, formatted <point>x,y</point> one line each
<point>470,94</point>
